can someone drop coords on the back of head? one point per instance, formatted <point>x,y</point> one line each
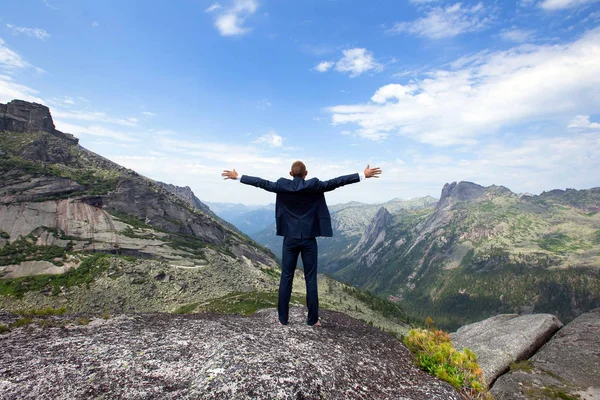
<point>298,169</point>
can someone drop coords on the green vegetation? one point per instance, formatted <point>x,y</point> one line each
<point>239,303</point>
<point>96,181</point>
<point>131,220</point>
<point>4,329</point>
<point>388,309</point>
<point>24,249</point>
<point>275,273</point>
<point>524,366</point>
<point>596,239</point>
<point>4,235</point>
<point>43,312</point>
<point>559,243</point>
<point>21,322</point>
<point>186,309</point>
<point>89,269</point>
<point>551,392</point>
<point>83,321</point>
<point>458,297</point>
<point>435,354</point>
<point>105,315</point>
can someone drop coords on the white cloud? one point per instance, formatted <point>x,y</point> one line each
<point>148,114</point>
<point>324,66</point>
<point>583,122</point>
<point>552,5</point>
<point>9,60</point>
<point>94,130</point>
<point>517,35</point>
<point>10,90</point>
<point>230,21</point>
<point>212,8</point>
<point>486,93</point>
<point>93,116</point>
<point>357,61</point>
<point>49,5</point>
<point>449,21</point>
<point>31,32</point>
<point>271,138</point>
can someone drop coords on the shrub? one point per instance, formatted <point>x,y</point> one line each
<point>43,312</point>
<point>4,329</point>
<point>436,355</point>
<point>83,321</point>
<point>21,322</point>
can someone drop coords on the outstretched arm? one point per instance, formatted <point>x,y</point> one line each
<point>250,180</point>
<point>326,186</point>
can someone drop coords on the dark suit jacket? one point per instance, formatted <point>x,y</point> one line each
<point>300,208</point>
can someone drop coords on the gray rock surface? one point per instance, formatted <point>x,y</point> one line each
<point>501,340</point>
<point>570,362</point>
<point>209,356</point>
<point>23,116</point>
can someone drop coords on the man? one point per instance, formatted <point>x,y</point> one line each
<point>301,215</point>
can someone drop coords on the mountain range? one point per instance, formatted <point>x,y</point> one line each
<point>476,252</point>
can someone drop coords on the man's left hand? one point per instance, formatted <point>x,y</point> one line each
<point>227,174</point>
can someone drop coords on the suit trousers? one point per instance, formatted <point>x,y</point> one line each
<point>307,248</point>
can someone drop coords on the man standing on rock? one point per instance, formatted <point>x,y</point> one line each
<point>301,215</point>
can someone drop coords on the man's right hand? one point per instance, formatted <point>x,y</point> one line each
<point>372,172</point>
<point>227,174</point>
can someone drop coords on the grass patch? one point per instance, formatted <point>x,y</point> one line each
<point>21,322</point>
<point>596,239</point>
<point>105,315</point>
<point>272,272</point>
<point>186,309</point>
<point>43,312</point>
<point>4,329</point>
<point>551,392</point>
<point>83,321</point>
<point>524,366</point>
<point>247,303</point>
<point>89,269</point>
<point>388,309</point>
<point>558,243</point>
<point>23,249</point>
<point>435,354</point>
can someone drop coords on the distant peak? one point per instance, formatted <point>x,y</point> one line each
<point>462,191</point>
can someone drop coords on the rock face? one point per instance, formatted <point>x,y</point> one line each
<point>212,357</point>
<point>501,340</point>
<point>22,116</point>
<point>373,237</point>
<point>569,363</point>
<point>50,182</point>
<point>186,194</point>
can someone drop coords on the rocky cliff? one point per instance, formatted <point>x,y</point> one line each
<point>60,204</point>
<point>209,356</point>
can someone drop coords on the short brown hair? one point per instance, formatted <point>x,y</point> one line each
<point>298,169</point>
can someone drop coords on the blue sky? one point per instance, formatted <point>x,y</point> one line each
<point>494,92</point>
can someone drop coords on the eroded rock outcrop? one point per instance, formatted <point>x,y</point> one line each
<point>501,340</point>
<point>23,116</point>
<point>569,364</point>
<point>212,356</point>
